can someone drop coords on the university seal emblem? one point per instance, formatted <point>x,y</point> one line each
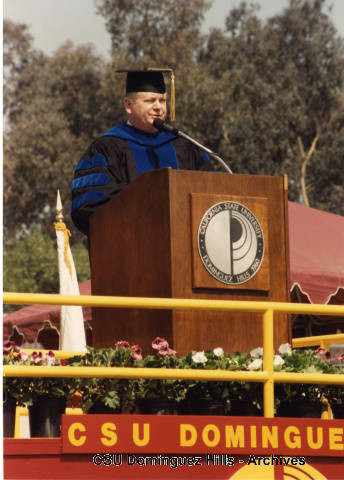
<point>230,242</point>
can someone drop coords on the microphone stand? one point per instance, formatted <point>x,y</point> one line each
<point>207,150</point>
<point>160,125</point>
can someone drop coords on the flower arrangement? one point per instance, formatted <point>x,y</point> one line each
<point>291,397</point>
<point>190,396</point>
<point>117,394</point>
<point>334,394</point>
<point>27,390</point>
<point>307,398</point>
<point>151,392</point>
<point>202,395</point>
<point>234,398</point>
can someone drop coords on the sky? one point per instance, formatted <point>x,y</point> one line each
<point>53,22</point>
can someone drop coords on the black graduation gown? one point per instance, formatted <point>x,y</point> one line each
<point>118,157</point>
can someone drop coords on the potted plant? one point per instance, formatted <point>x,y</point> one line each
<point>246,398</point>
<point>334,393</point>
<point>155,396</point>
<point>10,387</point>
<point>221,397</point>
<point>207,397</point>
<point>44,396</point>
<point>107,395</point>
<point>300,400</point>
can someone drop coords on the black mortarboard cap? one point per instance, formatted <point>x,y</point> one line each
<point>150,80</point>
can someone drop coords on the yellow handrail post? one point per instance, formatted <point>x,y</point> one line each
<point>268,362</point>
<point>20,412</point>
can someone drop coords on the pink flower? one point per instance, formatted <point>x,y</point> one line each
<point>163,347</point>
<point>36,357</point>
<point>322,354</point>
<point>166,352</point>
<point>49,358</point>
<point>339,357</point>
<point>159,343</point>
<point>137,352</point>
<point>23,356</point>
<point>123,344</point>
<point>8,346</point>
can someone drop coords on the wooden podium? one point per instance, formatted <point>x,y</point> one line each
<point>164,235</point>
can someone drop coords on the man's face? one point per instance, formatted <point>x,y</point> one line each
<point>143,107</point>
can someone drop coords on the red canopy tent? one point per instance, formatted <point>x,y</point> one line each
<point>316,245</point>
<point>41,323</point>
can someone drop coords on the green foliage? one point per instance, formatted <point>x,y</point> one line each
<point>335,393</point>
<point>279,86</point>
<point>115,393</point>
<point>26,390</point>
<point>81,260</point>
<point>304,361</point>
<point>142,29</point>
<point>230,394</point>
<point>59,114</point>
<point>170,389</point>
<point>301,361</point>
<point>30,264</point>
<point>120,394</point>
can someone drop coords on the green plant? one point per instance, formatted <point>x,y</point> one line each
<point>216,392</point>
<point>115,393</point>
<point>333,393</point>
<point>300,361</point>
<point>26,390</point>
<point>150,388</point>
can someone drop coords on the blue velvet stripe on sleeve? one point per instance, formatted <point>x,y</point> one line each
<point>95,161</point>
<point>94,196</point>
<point>92,180</point>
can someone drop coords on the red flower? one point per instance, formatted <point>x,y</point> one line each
<point>137,352</point>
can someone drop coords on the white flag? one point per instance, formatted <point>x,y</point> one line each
<point>72,331</point>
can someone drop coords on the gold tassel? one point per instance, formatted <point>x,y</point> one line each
<point>172,107</point>
<point>62,226</point>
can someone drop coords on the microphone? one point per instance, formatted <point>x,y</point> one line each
<point>162,126</point>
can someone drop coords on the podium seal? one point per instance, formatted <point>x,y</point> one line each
<point>230,243</point>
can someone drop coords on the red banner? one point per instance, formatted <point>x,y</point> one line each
<point>160,434</point>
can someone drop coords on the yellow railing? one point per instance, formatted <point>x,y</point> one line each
<point>322,340</point>
<point>268,377</point>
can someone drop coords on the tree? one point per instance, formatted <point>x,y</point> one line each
<point>18,54</point>
<point>30,264</point>
<point>279,86</point>
<point>59,115</point>
<point>142,29</point>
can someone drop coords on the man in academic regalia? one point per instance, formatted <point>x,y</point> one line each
<point>126,151</point>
